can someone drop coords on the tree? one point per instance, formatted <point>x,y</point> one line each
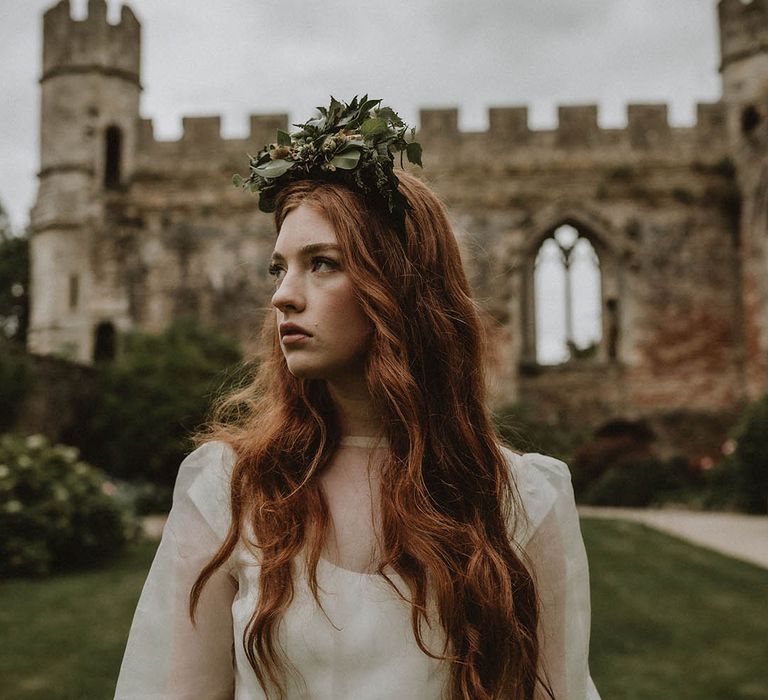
<point>146,402</point>
<point>14,282</point>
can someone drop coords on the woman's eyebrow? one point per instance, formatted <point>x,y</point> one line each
<point>308,250</point>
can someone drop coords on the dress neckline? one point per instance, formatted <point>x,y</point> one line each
<point>368,441</point>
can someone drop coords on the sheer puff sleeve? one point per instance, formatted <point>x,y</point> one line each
<point>166,657</point>
<point>552,540</point>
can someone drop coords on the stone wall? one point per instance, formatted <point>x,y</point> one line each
<point>683,271</point>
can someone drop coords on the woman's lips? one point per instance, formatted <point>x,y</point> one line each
<point>294,338</point>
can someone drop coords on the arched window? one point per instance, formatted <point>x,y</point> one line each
<point>567,297</point>
<point>104,342</point>
<point>113,140</point>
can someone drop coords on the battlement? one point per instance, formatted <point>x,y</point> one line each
<point>743,29</point>
<point>647,127</point>
<point>648,133</point>
<point>91,44</point>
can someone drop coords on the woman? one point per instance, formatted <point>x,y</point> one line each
<point>358,530</point>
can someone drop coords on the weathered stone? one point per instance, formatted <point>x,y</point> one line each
<point>676,216</point>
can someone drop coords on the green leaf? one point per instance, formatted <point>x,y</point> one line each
<point>413,151</point>
<point>374,127</point>
<point>367,105</point>
<point>283,138</point>
<point>275,168</point>
<point>237,180</point>
<point>349,145</point>
<point>347,160</point>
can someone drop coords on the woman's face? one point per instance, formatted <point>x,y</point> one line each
<point>314,292</point>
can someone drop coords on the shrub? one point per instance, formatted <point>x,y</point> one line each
<point>639,483</point>
<point>613,445</point>
<point>136,423</point>
<point>56,511</point>
<point>516,425</point>
<point>747,467</point>
<point>14,382</point>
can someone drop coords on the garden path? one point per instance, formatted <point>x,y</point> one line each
<point>737,535</point>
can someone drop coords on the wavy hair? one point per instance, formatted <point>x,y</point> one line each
<point>448,499</point>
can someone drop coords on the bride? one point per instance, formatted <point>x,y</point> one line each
<point>350,525</point>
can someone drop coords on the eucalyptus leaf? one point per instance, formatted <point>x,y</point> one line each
<point>346,161</point>
<point>274,168</point>
<point>349,145</point>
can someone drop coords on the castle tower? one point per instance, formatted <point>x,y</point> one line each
<point>744,71</point>
<point>90,87</point>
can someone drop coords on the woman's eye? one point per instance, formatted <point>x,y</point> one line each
<point>319,262</point>
<point>275,271</point>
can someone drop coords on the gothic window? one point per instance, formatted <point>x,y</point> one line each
<point>104,342</point>
<point>113,140</point>
<point>567,298</point>
<point>74,291</point>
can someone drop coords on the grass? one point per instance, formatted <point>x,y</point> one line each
<point>670,621</point>
<point>63,637</point>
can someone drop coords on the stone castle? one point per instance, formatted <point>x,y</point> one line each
<point>129,231</point>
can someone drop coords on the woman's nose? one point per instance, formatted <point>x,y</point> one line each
<point>290,294</point>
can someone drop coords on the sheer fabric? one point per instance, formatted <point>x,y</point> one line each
<point>361,645</point>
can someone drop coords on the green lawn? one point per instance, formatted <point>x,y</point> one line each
<point>63,637</point>
<point>670,622</point>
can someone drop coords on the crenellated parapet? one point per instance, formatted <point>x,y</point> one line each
<point>648,133</point>
<point>91,45</point>
<point>743,29</point>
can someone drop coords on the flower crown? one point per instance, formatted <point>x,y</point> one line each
<point>354,144</point>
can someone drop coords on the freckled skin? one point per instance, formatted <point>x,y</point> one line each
<point>318,296</point>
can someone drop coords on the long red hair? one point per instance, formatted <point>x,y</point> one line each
<point>448,500</point>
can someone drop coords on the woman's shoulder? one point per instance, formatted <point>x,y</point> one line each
<point>541,482</point>
<point>205,477</point>
<point>554,470</point>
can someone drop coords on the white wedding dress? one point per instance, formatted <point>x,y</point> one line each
<point>365,648</point>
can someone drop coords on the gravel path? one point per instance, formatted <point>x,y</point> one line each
<point>734,534</point>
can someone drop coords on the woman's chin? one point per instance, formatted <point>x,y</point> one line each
<point>303,371</point>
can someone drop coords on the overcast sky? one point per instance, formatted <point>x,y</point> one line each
<point>234,57</point>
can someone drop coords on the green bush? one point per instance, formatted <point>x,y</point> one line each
<point>637,484</point>
<point>612,446</point>
<point>145,403</point>
<point>14,381</point>
<point>517,425</point>
<point>744,473</point>
<point>144,497</point>
<point>56,511</point>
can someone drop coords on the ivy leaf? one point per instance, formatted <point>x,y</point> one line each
<point>283,138</point>
<point>390,115</point>
<point>374,127</point>
<point>413,151</point>
<point>275,168</point>
<point>347,160</point>
<point>367,105</point>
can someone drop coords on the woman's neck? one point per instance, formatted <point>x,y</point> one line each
<point>355,409</point>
